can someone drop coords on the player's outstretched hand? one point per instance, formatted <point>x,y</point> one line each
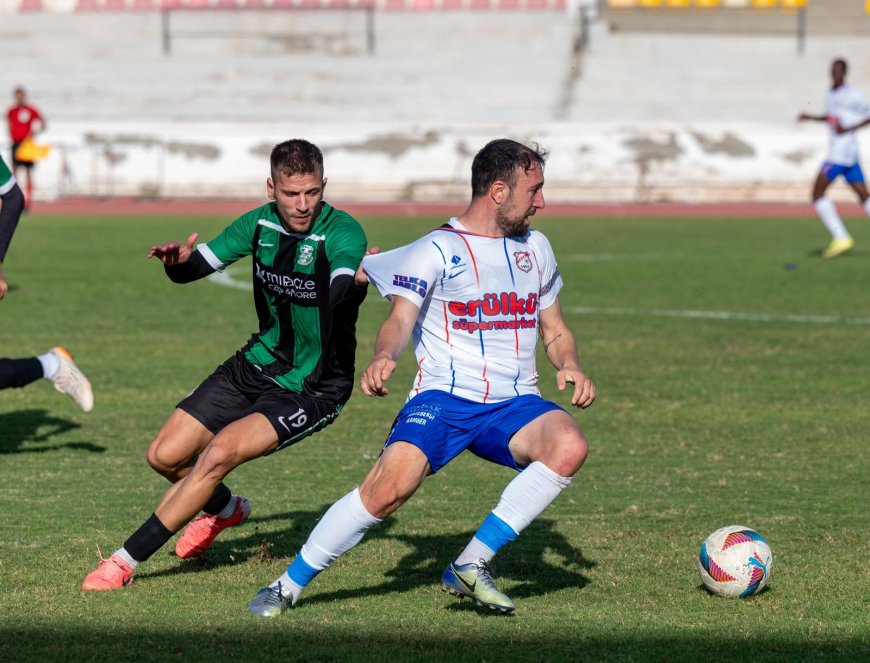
<point>376,373</point>
<point>584,389</point>
<point>173,253</point>
<point>4,287</point>
<point>361,278</point>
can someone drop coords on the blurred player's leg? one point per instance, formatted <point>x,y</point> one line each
<point>841,241</point>
<point>861,189</point>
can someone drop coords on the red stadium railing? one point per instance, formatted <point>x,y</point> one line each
<point>381,5</point>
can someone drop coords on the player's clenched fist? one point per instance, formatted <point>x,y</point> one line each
<point>376,373</point>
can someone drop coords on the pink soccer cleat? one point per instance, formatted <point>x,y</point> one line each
<point>112,573</point>
<point>201,533</point>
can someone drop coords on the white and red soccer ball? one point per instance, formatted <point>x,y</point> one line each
<point>735,561</point>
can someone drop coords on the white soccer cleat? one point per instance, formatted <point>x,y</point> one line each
<point>71,381</point>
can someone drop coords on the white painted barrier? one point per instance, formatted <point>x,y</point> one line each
<point>589,162</point>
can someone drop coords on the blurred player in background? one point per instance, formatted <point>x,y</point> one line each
<point>24,122</point>
<point>57,364</point>
<point>473,294</point>
<point>290,380</point>
<point>844,107</point>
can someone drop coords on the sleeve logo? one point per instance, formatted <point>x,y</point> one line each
<point>549,285</point>
<point>412,283</point>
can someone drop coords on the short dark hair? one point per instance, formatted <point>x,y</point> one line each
<point>499,160</point>
<point>841,61</point>
<point>295,157</point>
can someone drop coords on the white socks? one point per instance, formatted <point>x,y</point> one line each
<point>123,554</point>
<point>524,499</point>
<point>867,206</point>
<point>229,509</point>
<point>827,212</point>
<point>340,529</point>
<point>50,365</point>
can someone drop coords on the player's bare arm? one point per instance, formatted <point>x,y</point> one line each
<point>393,337</point>
<point>561,349</point>
<point>173,253</point>
<point>4,287</point>
<point>810,117</point>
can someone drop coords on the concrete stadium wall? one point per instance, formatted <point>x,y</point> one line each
<point>628,117</point>
<point>613,162</point>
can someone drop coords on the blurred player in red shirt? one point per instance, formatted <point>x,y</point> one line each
<point>24,122</point>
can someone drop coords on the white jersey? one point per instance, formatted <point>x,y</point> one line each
<point>480,299</point>
<point>846,105</point>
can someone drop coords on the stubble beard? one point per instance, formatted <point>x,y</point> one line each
<point>510,226</point>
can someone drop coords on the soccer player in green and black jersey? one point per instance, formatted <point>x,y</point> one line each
<point>290,379</point>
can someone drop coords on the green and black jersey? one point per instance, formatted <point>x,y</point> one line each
<point>7,181</point>
<point>307,340</point>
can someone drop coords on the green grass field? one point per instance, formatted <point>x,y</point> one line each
<point>731,390</point>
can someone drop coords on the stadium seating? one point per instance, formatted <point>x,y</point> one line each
<point>684,109</point>
<point>740,16</point>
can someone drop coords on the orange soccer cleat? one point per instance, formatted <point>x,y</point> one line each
<point>201,533</point>
<point>112,573</point>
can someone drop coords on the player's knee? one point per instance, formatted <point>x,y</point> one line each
<point>160,461</point>
<point>570,454</point>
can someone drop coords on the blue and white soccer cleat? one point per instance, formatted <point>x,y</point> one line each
<point>475,581</point>
<point>270,602</point>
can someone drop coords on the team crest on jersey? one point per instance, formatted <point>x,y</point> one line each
<point>306,254</point>
<point>523,260</point>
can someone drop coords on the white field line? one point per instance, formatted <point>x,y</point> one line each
<point>619,257</point>
<point>226,279</point>
<point>720,315</point>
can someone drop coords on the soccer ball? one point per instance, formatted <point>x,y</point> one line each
<point>735,561</point>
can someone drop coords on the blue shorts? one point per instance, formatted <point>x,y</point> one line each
<point>832,171</point>
<point>442,426</point>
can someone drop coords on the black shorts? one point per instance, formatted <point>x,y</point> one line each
<point>15,160</point>
<point>237,389</point>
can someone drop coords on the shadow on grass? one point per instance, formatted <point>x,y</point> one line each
<point>326,642</point>
<point>522,561</point>
<point>23,426</point>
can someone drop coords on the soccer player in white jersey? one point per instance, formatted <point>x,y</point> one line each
<point>473,296</point>
<point>844,107</point>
